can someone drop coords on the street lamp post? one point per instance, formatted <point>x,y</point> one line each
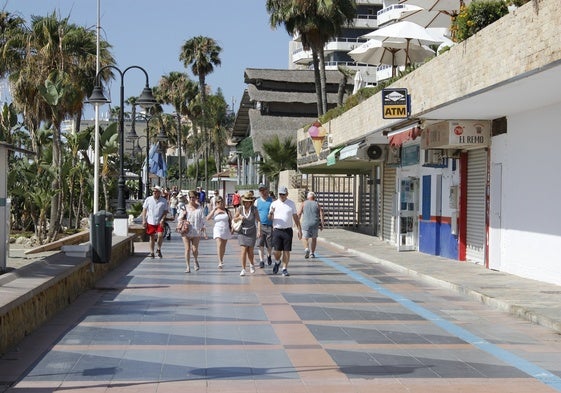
<point>146,100</point>
<point>179,148</point>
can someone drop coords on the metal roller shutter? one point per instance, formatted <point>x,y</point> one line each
<point>476,200</point>
<point>388,195</point>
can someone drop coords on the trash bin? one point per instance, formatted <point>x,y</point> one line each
<point>101,236</point>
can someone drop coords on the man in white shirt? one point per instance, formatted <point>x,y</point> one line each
<point>284,215</point>
<point>154,212</point>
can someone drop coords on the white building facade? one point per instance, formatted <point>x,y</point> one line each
<point>492,198</point>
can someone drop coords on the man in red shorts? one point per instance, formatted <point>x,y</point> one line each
<point>154,212</point>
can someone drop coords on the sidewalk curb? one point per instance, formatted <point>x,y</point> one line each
<point>516,310</point>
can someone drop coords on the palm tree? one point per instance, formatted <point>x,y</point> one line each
<point>10,26</point>
<point>57,59</point>
<point>316,21</point>
<point>280,156</point>
<point>178,90</point>
<point>202,54</point>
<point>220,122</point>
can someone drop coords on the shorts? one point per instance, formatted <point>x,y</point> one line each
<point>153,229</point>
<point>282,239</point>
<point>266,238</point>
<point>310,232</point>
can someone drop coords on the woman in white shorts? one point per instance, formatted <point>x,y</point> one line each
<point>222,231</point>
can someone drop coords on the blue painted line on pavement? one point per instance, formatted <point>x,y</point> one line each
<point>521,364</point>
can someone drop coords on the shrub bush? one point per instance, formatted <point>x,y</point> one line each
<point>475,17</point>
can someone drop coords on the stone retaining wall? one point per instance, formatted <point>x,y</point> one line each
<point>32,295</point>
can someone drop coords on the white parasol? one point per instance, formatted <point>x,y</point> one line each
<point>432,13</point>
<point>407,33</point>
<point>358,82</point>
<point>395,54</point>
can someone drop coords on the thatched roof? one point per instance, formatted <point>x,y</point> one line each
<point>263,128</point>
<point>258,95</point>
<point>278,87</point>
<point>253,75</point>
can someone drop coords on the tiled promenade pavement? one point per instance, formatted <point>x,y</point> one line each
<point>337,324</point>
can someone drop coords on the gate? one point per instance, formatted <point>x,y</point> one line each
<point>336,194</point>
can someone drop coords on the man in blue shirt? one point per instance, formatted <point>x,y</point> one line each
<point>263,203</point>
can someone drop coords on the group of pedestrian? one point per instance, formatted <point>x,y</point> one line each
<point>266,222</point>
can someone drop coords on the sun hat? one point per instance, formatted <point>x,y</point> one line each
<point>157,188</point>
<point>248,197</point>
<point>283,190</point>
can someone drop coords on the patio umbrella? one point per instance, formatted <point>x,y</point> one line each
<point>404,32</point>
<point>377,52</point>
<point>432,13</point>
<point>358,82</point>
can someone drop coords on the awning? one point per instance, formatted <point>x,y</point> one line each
<point>331,159</point>
<point>349,151</point>
<point>399,138</point>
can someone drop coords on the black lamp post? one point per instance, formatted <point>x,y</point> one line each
<point>145,100</point>
<point>179,149</point>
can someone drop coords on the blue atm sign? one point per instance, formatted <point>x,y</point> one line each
<point>395,104</point>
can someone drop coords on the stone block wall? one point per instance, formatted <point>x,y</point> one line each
<point>37,304</point>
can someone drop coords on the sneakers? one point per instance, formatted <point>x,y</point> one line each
<point>196,265</point>
<point>159,253</point>
<point>220,265</point>
<point>312,255</point>
<point>269,260</point>
<point>252,269</point>
<point>261,265</point>
<point>285,273</point>
<point>242,273</point>
<point>151,255</point>
<point>276,267</point>
<point>307,253</point>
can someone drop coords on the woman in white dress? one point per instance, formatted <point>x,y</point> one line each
<point>221,232</point>
<point>193,214</point>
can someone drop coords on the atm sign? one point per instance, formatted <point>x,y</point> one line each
<point>395,104</point>
<point>395,112</point>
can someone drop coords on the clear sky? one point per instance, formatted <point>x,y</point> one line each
<point>150,33</point>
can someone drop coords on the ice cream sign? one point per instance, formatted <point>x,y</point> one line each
<point>317,133</point>
<point>455,134</point>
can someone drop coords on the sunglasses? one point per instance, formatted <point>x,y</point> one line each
<point>282,194</point>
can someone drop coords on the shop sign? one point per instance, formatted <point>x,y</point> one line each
<point>456,134</point>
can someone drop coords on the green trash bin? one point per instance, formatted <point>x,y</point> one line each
<point>101,236</point>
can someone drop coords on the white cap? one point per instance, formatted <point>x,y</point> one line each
<point>283,190</point>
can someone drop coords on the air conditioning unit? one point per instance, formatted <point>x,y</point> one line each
<point>376,152</point>
<point>393,157</point>
<point>435,158</point>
